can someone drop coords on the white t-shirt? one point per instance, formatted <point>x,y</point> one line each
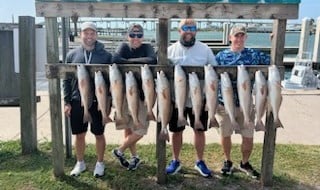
<point>196,55</point>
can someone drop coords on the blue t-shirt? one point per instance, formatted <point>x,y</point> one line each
<point>247,56</point>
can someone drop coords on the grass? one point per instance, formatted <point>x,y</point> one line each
<point>295,167</point>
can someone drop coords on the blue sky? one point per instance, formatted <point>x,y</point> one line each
<point>308,8</point>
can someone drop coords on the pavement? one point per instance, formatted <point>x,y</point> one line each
<point>299,114</point>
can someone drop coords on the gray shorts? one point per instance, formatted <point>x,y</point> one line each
<point>225,129</point>
<point>129,124</point>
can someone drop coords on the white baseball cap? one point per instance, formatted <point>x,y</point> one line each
<point>88,25</point>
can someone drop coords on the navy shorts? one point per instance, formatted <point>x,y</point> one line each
<point>187,112</point>
<point>76,119</point>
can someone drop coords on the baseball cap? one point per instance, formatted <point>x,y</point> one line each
<point>88,25</point>
<point>135,28</point>
<point>236,29</point>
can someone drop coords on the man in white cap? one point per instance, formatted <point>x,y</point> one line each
<point>237,54</point>
<point>90,52</point>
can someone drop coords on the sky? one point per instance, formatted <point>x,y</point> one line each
<point>11,11</point>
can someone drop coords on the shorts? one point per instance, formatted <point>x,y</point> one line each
<point>224,122</point>
<point>76,119</point>
<point>129,122</point>
<point>173,126</point>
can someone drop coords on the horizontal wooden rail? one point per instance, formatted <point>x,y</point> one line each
<point>168,10</point>
<point>69,70</point>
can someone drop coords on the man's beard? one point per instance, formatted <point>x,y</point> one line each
<point>187,43</point>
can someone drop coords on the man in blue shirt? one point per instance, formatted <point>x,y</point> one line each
<point>237,54</point>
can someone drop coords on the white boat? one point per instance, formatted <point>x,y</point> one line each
<point>302,75</point>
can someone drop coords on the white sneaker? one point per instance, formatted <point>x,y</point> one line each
<point>99,170</point>
<point>78,168</point>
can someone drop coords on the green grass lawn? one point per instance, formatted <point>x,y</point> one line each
<point>295,167</point>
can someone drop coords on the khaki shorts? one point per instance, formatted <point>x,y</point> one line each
<point>142,118</point>
<point>225,129</point>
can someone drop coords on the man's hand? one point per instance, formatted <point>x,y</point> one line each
<point>67,110</point>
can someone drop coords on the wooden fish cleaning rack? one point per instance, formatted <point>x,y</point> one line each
<point>163,11</point>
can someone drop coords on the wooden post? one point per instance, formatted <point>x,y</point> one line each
<point>9,79</point>
<point>28,107</point>
<point>55,98</point>
<point>277,49</point>
<point>316,47</point>
<point>65,46</point>
<point>162,60</point>
<point>226,31</point>
<point>304,37</point>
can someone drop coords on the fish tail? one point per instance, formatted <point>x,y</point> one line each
<point>198,125</point>
<point>164,135</point>
<point>151,116</point>
<point>248,124</point>
<point>235,126</point>
<point>277,123</point>
<point>182,122</point>
<point>213,123</point>
<point>86,116</point>
<point>260,126</point>
<point>106,120</point>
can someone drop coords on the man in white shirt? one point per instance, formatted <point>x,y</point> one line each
<point>189,51</point>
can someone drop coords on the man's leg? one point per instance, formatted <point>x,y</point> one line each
<point>100,147</point>
<point>199,143</point>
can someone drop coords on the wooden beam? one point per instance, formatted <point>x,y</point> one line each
<point>279,28</point>
<point>28,106</point>
<point>55,99</point>
<point>168,10</point>
<point>65,70</point>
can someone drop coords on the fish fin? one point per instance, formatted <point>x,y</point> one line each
<point>206,107</point>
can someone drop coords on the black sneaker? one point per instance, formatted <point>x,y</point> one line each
<point>134,163</point>
<point>248,169</point>
<point>227,168</point>
<point>120,157</point>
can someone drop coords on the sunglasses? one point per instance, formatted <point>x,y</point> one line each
<point>133,35</point>
<point>186,28</point>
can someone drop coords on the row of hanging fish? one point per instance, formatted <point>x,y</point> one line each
<point>266,93</point>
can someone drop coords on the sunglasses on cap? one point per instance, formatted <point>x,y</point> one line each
<point>133,35</point>
<point>186,28</point>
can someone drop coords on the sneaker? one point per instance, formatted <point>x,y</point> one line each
<point>78,168</point>
<point>248,169</point>
<point>202,168</point>
<point>174,167</point>
<point>227,168</point>
<point>120,157</point>
<point>99,170</point>
<point>134,163</point>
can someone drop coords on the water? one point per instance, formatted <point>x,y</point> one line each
<point>292,39</point>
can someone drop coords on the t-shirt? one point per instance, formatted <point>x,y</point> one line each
<point>196,55</point>
<point>247,56</point>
